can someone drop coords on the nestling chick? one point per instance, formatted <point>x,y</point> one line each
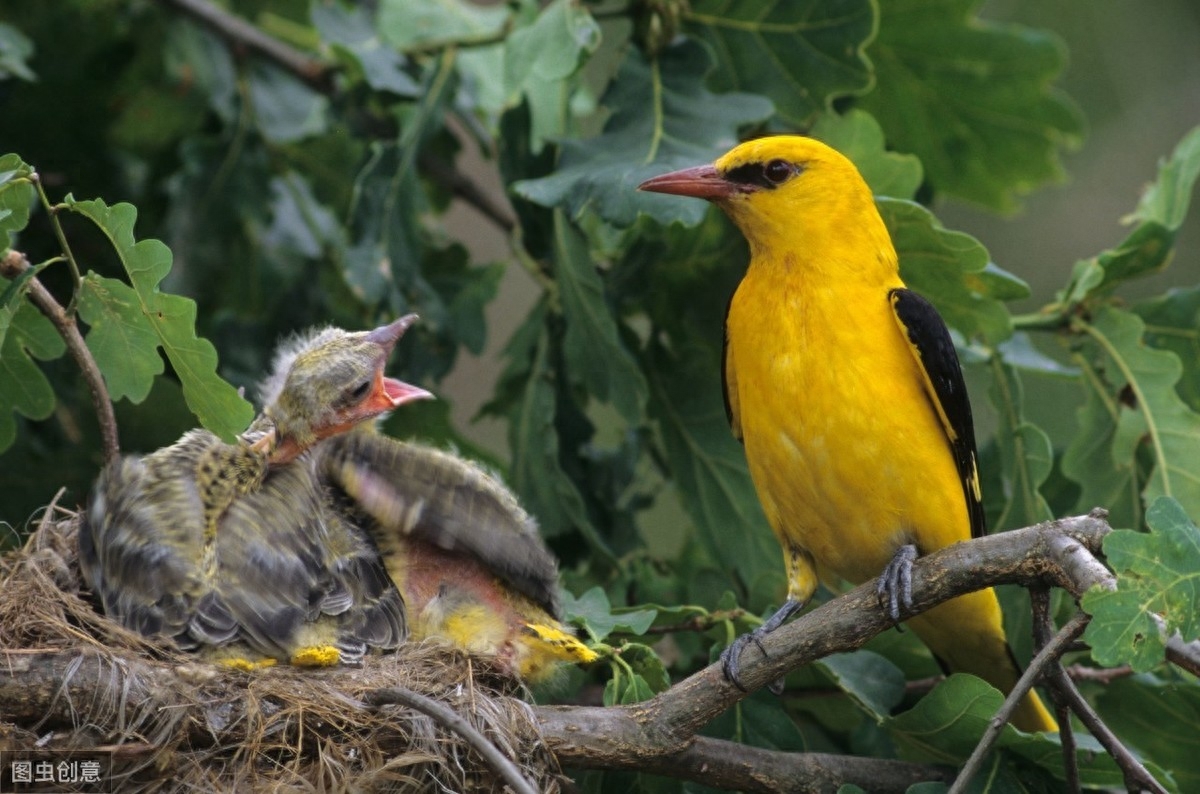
<point>469,561</point>
<point>236,549</point>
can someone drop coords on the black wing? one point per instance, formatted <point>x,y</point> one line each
<point>729,380</point>
<point>934,350</point>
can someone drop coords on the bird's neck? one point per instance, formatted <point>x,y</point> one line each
<point>843,250</point>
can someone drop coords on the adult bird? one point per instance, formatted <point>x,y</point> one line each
<point>846,391</point>
<point>237,550</point>
<point>467,558</point>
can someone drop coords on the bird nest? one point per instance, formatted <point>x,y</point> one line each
<point>75,684</point>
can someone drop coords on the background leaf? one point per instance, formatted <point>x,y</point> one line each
<point>161,320</point>
<point>799,53</point>
<point>1136,386</point>
<point>1156,577</point>
<point>1158,216</point>
<point>23,387</point>
<point>971,98</point>
<point>1026,454</point>
<point>592,347</point>
<point>684,125</point>
<point>952,270</point>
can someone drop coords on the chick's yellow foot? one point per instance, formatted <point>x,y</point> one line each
<point>317,656</point>
<point>894,589</point>
<point>729,659</point>
<point>245,665</point>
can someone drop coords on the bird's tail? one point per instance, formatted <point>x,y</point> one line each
<point>967,635</point>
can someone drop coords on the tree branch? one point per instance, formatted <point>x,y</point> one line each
<point>635,736</point>
<point>729,765</point>
<point>1045,658</point>
<point>318,75</point>
<point>12,266</point>
<point>313,72</point>
<point>1137,778</point>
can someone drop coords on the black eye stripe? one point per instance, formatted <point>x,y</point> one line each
<point>769,175</point>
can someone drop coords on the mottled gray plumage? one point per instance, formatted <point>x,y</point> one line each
<point>415,492</point>
<point>241,545</point>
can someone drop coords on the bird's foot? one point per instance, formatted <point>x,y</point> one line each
<point>894,589</point>
<point>730,658</point>
<point>317,656</point>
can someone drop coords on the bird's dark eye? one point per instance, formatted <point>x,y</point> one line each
<point>359,391</point>
<point>778,171</point>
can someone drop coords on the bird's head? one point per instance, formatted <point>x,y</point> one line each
<point>782,187</point>
<point>326,383</point>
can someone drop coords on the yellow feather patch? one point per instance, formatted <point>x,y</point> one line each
<point>317,656</point>
<point>562,645</point>
<point>245,665</point>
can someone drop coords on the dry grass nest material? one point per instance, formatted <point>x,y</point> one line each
<point>73,679</point>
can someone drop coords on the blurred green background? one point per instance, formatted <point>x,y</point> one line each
<point>1134,68</point>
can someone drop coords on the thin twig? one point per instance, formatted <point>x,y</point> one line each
<point>1100,675</point>
<point>318,75</point>
<point>463,43</point>
<point>52,210</point>
<point>13,265</point>
<point>1136,776</point>
<point>699,622</point>
<point>1046,656</point>
<point>451,720</point>
<point>453,179</point>
<point>313,72</point>
<point>1043,634</point>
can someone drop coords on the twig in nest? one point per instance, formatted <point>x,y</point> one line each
<point>13,265</point>
<point>449,719</point>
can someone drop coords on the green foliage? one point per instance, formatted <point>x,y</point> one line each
<point>684,124</point>
<point>129,324</point>
<point>1157,593</point>
<point>284,200</point>
<point>971,98</point>
<point>15,50</point>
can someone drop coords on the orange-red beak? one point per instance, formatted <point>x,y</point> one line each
<point>702,181</point>
<point>388,393</point>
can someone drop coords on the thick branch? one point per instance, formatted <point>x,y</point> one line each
<point>13,265</point>
<point>725,764</point>
<point>1057,552</point>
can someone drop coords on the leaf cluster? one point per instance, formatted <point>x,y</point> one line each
<point>279,193</point>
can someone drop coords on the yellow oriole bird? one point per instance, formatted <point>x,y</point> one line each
<point>467,558</point>
<point>846,391</point>
<point>237,550</point>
